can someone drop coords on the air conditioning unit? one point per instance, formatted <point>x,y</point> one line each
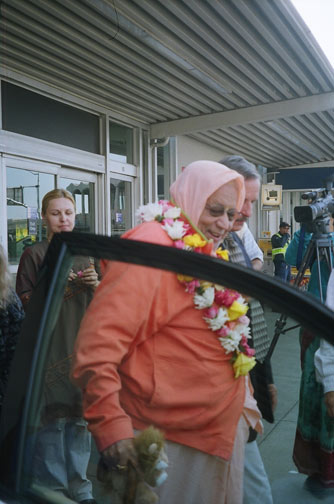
<point>271,197</point>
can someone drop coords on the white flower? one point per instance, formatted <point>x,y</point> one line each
<point>219,321</point>
<point>172,213</point>
<point>204,300</point>
<point>235,335</point>
<point>229,344</point>
<point>241,329</point>
<point>244,330</point>
<point>241,300</point>
<point>149,212</point>
<point>175,231</point>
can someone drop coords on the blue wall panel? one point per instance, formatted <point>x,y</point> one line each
<point>303,178</point>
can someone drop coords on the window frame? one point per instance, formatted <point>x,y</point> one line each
<point>37,329</point>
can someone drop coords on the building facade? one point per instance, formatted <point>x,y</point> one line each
<point>52,140</point>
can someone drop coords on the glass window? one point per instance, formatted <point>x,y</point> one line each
<point>83,194</point>
<point>120,206</point>
<point>163,160</point>
<point>34,115</point>
<point>25,191</point>
<point>55,412</point>
<point>121,143</point>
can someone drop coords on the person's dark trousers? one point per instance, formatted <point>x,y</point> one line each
<point>282,270</point>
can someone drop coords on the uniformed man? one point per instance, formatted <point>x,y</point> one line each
<point>279,243</point>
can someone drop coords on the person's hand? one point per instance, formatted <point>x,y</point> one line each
<point>118,455</point>
<point>273,395</point>
<point>257,264</point>
<point>72,276</point>
<point>90,277</point>
<point>329,402</point>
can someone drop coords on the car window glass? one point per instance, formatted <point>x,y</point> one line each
<point>57,437</point>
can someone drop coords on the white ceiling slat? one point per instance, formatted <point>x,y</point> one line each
<point>263,147</point>
<point>197,62</point>
<point>234,146</point>
<point>38,57</point>
<point>307,136</point>
<point>125,83</point>
<point>270,145</point>
<point>326,118</point>
<point>318,137</point>
<point>47,38</point>
<point>312,136</point>
<point>240,139</point>
<point>89,68</point>
<point>28,71</point>
<point>281,47</point>
<point>163,50</point>
<point>321,127</point>
<point>229,146</point>
<point>282,143</point>
<point>259,45</point>
<point>45,18</point>
<point>289,11</point>
<point>268,77</point>
<point>202,37</point>
<point>65,76</point>
<point>168,82</point>
<point>309,63</point>
<point>190,85</point>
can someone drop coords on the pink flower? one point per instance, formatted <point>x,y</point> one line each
<point>211,312</point>
<point>80,273</point>
<point>244,320</point>
<point>165,205</point>
<point>189,230</point>
<point>223,332</point>
<point>250,352</point>
<point>226,297</point>
<point>179,244</point>
<point>168,221</point>
<point>192,286</point>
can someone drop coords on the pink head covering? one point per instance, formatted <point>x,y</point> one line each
<point>198,181</point>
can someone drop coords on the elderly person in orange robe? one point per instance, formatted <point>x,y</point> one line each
<point>157,348</point>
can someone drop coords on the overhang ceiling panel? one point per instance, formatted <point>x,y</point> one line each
<point>185,67</point>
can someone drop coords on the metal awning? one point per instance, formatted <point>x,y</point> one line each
<point>245,76</point>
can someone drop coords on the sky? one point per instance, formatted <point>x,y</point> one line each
<point>319,17</point>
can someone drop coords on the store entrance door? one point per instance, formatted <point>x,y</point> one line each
<point>121,203</point>
<point>83,188</point>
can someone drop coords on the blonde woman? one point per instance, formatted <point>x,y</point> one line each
<point>63,445</point>
<point>11,317</point>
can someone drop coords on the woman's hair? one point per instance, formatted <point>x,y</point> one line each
<point>5,278</point>
<point>55,194</point>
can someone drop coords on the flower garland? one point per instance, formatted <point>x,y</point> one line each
<point>224,309</point>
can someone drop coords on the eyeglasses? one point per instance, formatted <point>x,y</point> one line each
<point>219,211</point>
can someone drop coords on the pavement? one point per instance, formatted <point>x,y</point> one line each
<point>276,444</point>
